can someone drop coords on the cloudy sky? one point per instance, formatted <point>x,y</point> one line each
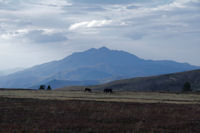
<point>37,31</point>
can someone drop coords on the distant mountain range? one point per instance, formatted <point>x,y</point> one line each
<point>94,65</point>
<point>168,82</point>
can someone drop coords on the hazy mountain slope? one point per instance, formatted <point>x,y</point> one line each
<point>94,64</point>
<point>63,83</point>
<point>167,82</point>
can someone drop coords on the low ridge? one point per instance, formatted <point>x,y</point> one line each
<point>168,82</point>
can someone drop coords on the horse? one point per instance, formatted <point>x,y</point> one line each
<point>108,90</point>
<point>87,90</point>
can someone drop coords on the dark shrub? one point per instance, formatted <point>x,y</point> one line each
<point>49,87</point>
<point>42,87</point>
<point>187,87</point>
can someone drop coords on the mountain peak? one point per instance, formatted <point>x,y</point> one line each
<point>103,49</point>
<point>99,49</point>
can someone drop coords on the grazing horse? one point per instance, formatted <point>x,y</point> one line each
<point>107,90</point>
<point>87,90</point>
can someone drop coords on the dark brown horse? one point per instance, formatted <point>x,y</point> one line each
<point>108,90</point>
<point>87,90</point>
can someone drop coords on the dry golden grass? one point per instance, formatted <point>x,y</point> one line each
<point>127,96</point>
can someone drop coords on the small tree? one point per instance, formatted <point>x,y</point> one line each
<point>187,87</point>
<point>42,87</point>
<point>49,87</point>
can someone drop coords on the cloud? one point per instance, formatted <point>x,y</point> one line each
<point>54,2</point>
<point>45,36</point>
<point>71,25</point>
<point>136,36</point>
<point>99,1</point>
<point>33,2</point>
<point>90,24</point>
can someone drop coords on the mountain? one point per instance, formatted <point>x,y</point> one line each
<point>167,82</point>
<point>100,65</point>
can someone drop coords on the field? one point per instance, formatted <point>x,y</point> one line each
<point>119,96</point>
<point>76,111</point>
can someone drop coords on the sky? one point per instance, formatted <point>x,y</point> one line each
<point>37,31</point>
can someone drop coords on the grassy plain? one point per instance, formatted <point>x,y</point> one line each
<point>119,96</point>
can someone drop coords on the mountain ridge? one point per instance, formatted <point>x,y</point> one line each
<point>99,65</point>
